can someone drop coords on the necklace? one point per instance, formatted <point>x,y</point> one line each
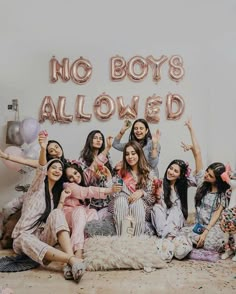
<point>135,176</point>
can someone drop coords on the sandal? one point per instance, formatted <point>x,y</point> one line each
<point>78,269</point>
<point>67,270</point>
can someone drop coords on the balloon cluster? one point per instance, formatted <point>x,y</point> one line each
<point>22,133</point>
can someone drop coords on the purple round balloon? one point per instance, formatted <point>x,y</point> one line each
<point>29,130</point>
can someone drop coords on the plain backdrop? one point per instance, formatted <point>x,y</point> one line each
<point>201,32</point>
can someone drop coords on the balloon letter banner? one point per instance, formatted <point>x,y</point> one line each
<point>156,65</point>
<point>153,108</point>
<point>118,68</point>
<point>48,110</point>
<point>86,68</point>
<point>59,70</point>
<point>61,116</point>
<point>80,115</point>
<point>179,103</point>
<point>108,102</point>
<point>128,111</point>
<point>135,61</point>
<point>176,70</point>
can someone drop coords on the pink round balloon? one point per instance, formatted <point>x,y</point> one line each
<point>16,151</point>
<point>29,130</point>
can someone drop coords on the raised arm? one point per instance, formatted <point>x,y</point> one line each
<point>19,159</point>
<point>116,143</point>
<point>43,140</point>
<point>156,148</point>
<point>195,148</point>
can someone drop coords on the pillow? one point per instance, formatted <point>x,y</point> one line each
<point>113,252</point>
<point>204,255</point>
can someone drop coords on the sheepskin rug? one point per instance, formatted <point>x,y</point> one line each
<point>113,252</point>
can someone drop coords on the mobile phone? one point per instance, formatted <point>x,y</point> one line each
<point>120,182</point>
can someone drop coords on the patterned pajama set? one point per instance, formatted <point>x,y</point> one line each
<point>100,205</point>
<point>139,210</point>
<point>209,204</point>
<point>169,221</point>
<point>36,241</point>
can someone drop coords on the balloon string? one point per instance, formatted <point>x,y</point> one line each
<point>17,114</point>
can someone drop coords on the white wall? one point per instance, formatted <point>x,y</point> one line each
<point>202,32</point>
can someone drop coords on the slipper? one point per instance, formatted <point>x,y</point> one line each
<point>78,269</point>
<point>67,270</point>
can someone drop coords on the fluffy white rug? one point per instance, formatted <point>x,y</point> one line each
<point>113,252</point>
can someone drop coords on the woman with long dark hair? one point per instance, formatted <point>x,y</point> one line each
<point>54,150</point>
<point>96,165</point>
<point>140,132</point>
<point>171,209</point>
<point>76,211</point>
<point>42,223</point>
<point>13,207</point>
<point>210,198</point>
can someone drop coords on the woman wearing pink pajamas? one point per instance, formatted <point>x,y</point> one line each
<point>41,226</point>
<point>76,212</point>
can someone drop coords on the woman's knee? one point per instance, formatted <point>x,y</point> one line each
<point>121,202</point>
<point>79,211</point>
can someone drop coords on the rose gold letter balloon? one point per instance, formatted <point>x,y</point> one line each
<point>100,102</point>
<point>77,76</point>
<point>152,109</point>
<point>176,70</point>
<point>80,115</point>
<point>56,69</point>
<point>156,66</point>
<point>61,116</point>
<point>127,111</point>
<point>179,103</point>
<point>118,68</point>
<point>48,110</point>
<point>137,61</point>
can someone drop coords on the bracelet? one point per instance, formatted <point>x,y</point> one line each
<point>68,261</point>
<point>121,133</point>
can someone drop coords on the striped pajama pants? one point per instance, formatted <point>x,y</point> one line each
<point>35,245</point>
<point>122,208</point>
